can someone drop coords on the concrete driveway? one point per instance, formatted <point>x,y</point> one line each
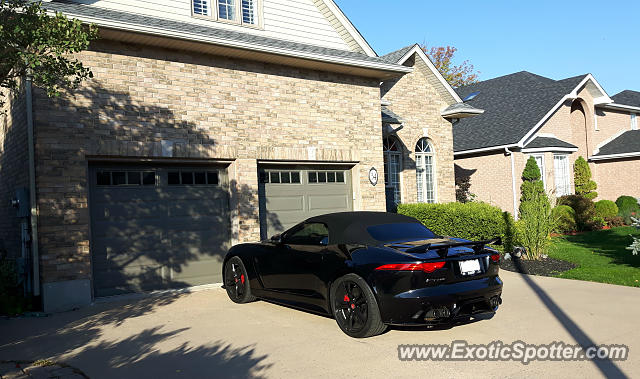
<point>203,334</point>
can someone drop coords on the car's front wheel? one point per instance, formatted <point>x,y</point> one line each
<point>236,281</point>
<point>355,308</point>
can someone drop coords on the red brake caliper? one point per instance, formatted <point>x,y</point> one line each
<point>242,278</point>
<point>346,298</point>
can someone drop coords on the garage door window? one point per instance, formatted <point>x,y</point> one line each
<point>209,178</point>
<point>126,178</point>
<point>322,177</point>
<point>280,177</point>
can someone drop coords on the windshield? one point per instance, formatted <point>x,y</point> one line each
<point>410,231</point>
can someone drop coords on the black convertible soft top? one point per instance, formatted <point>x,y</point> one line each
<point>351,227</point>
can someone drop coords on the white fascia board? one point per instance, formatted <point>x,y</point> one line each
<point>482,150</point>
<point>417,50</point>
<point>348,25</point>
<point>550,149</point>
<point>240,45</point>
<point>571,96</point>
<point>604,98</point>
<point>454,113</point>
<point>615,156</point>
<point>630,108</point>
<point>528,137</point>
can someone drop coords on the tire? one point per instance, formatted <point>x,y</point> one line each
<point>355,307</point>
<point>236,281</point>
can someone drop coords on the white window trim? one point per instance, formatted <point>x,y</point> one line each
<point>543,169</point>
<point>634,121</point>
<point>387,156</point>
<point>555,174</point>
<point>434,169</point>
<point>214,16</point>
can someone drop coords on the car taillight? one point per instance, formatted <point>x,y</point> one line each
<point>495,258</point>
<point>426,266</point>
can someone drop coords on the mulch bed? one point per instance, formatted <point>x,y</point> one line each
<point>543,267</point>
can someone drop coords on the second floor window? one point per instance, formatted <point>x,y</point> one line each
<point>243,12</point>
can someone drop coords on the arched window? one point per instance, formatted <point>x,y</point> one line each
<point>392,166</point>
<point>425,176</point>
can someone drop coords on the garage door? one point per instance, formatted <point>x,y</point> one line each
<point>157,227</point>
<point>291,195</point>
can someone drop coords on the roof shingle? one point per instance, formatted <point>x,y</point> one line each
<point>513,105</point>
<point>627,97</point>
<point>627,142</point>
<point>95,12</point>
<point>541,142</point>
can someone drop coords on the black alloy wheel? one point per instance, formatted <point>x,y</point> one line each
<point>236,281</point>
<point>355,308</point>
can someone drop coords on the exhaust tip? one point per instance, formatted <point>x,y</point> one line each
<point>495,302</point>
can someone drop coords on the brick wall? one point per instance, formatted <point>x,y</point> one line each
<point>490,176</point>
<point>208,107</point>
<point>14,168</point>
<point>418,101</point>
<point>619,177</point>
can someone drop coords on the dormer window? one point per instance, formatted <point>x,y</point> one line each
<point>244,12</point>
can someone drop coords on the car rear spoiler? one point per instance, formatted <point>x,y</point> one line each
<point>443,248</point>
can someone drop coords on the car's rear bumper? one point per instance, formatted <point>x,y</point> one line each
<point>442,303</point>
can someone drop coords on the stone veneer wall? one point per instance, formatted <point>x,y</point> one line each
<point>415,98</point>
<point>143,100</point>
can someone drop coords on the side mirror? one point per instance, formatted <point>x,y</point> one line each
<point>276,238</point>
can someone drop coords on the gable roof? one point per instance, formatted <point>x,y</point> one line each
<point>549,142</point>
<point>138,23</point>
<point>627,97</point>
<point>515,105</point>
<point>344,26</point>
<point>625,145</point>
<point>402,55</point>
<point>389,117</point>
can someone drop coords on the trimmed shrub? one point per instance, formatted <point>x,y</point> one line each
<point>582,179</point>
<point>614,221</point>
<point>472,221</point>
<point>627,206</point>
<point>606,209</point>
<point>584,208</point>
<point>566,218</point>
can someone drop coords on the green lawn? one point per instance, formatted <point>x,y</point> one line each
<point>601,256</point>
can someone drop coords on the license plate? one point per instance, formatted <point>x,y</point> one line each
<point>469,267</point>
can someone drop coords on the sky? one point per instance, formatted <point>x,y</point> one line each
<point>556,39</point>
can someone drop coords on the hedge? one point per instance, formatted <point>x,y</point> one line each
<point>566,218</point>
<point>606,209</point>
<point>473,221</point>
<point>627,206</point>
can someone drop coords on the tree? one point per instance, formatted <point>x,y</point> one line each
<point>536,219</point>
<point>531,184</point>
<point>582,179</point>
<point>39,45</point>
<point>442,57</point>
<point>463,186</point>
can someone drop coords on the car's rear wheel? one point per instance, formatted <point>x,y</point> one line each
<point>236,281</point>
<point>355,308</point>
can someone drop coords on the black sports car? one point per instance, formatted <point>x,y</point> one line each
<point>368,270</point>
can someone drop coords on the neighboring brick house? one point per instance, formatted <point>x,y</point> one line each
<point>555,121</point>
<point>208,123</point>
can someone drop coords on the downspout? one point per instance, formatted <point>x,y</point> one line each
<point>35,259</point>
<point>513,182</point>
